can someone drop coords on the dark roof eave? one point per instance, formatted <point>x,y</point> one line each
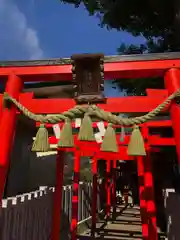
<point>117,58</point>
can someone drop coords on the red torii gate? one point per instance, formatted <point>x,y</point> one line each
<point>144,170</point>
<point>129,66</point>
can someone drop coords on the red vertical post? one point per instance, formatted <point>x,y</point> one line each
<point>1,107</point>
<point>108,188</point>
<point>114,188</point>
<point>142,199</point>
<point>74,221</point>
<point>172,84</point>
<point>57,203</point>
<point>7,129</point>
<point>94,196</point>
<point>149,189</point>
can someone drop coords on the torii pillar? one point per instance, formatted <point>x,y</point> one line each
<point>172,84</point>
<point>7,128</point>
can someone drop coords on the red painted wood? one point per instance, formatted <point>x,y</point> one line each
<point>172,82</point>
<point>33,73</point>
<point>108,187</point>
<point>157,93</point>
<point>122,105</point>
<point>149,189</point>
<point>152,124</point>
<point>57,204</point>
<point>143,207</point>
<point>114,156</point>
<point>112,70</point>
<point>93,148</point>
<point>77,157</point>
<point>154,140</point>
<point>158,124</point>
<point>94,196</point>
<point>114,178</point>
<point>159,141</point>
<point>7,129</point>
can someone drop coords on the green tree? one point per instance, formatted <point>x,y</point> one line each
<point>138,86</point>
<point>159,19</point>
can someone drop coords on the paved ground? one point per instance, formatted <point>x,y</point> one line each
<point>126,226</point>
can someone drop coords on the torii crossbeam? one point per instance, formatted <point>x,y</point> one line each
<point>137,66</point>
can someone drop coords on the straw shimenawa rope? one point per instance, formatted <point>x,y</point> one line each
<point>136,144</point>
<point>93,110</point>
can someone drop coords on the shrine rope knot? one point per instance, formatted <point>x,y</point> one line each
<point>86,133</point>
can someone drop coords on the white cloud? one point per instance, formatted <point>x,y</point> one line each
<point>17,39</point>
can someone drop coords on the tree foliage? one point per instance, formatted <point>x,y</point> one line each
<point>155,18</point>
<point>138,86</point>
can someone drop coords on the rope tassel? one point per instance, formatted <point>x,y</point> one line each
<point>109,143</point>
<point>136,143</point>
<point>86,132</point>
<point>41,142</point>
<point>66,138</point>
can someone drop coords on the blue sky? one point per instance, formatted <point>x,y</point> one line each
<point>37,29</point>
